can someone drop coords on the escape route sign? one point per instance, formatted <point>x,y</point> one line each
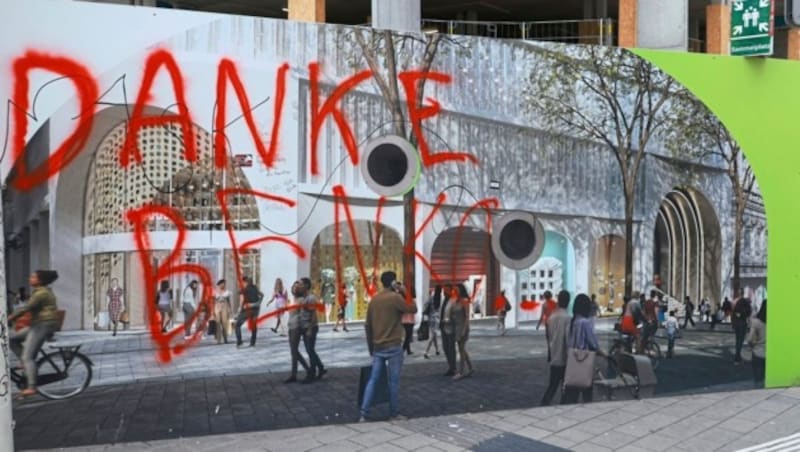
<point>752,25</point>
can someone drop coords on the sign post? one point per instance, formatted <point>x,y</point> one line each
<point>752,27</point>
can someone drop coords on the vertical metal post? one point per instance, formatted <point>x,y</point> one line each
<point>6,414</point>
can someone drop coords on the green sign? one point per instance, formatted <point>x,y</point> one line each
<point>752,24</point>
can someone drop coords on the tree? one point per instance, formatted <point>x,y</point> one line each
<point>716,145</point>
<point>386,53</point>
<point>611,96</point>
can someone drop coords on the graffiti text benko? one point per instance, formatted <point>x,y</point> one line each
<point>87,92</point>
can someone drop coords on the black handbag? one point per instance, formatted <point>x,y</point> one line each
<point>381,394</point>
<point>423,331</point>
<point>212,327</point>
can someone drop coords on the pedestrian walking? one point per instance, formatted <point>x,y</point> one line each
<point>408,320</point>
<point>280,298</point>
<point>432,311</point>
<point>115,300</point>
<point>581,337</point>
<point>503,306</point>
<point>727,309</point>
<point>342,307</point>
<point>189,304</point>
<point>758,343</point>
<point>558,326</point>
<point>250,303</point>
<point>384,332</point>
<point>689,312</point>
<point>295,332</point>
<point>309,325</point>
<point>739,317</point>
<point>460,316</point>
<point>448,334</point>
<point>164,303</point>
<point>671,325</point>
<point>222,311</point>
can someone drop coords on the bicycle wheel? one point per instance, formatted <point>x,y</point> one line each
<point>653,352</point>
<point>62,375</point>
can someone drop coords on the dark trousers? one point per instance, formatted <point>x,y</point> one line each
<point>245,315</point>
<point>556,377</point>
<point>409,335</point>
<point>571,395</point>
<point>449,347</point>
<point>670,344</point>
<point>740,331</point>
<point>759,368</point>
<point>688,319</point>
<point>294,347</point>
<point>310,342</point>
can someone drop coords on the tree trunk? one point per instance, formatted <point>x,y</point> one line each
<point>737,242</point>
<point>409,230</point>
<point>629,241</point>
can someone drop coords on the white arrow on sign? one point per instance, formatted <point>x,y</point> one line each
<point>737,30</point>
<point>764,26</point>
<point>763,3</point>
<point>738,6</point>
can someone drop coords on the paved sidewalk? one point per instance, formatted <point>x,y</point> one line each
<point>726,421</point>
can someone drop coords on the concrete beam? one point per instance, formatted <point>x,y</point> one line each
<point>307,10</point>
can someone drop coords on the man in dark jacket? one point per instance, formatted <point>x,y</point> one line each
<point>742,310</point>
<point>250,300</point>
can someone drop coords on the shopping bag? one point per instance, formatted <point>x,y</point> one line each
<point>381,391</point>
<point>102,320</point>
<point>580,368</point>
<point>423,330</point>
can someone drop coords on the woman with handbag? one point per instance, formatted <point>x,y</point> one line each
<point>582,346</point>
<point>434,305</point>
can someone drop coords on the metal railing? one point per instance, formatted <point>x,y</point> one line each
<point>591,31</point>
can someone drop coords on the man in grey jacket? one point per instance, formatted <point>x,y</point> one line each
<point>558,330</point>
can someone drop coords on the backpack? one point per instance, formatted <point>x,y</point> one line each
<point>508,306</point>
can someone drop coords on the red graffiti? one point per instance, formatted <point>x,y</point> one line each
<point>330,107</point>
<point>417,114</point>
<point>227,71</point>
<point>138,120</point>
<point>140,218</point>
<point>529,305</point>
<point>86,90</point>
<point>222,198</point>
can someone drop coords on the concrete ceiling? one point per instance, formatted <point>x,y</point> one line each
<point>357,11</point>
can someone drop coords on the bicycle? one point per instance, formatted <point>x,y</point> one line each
<point>626,343</point>
<point>58,380</point>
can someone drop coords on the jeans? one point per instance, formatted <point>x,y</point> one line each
<point>295,335</point>
<point>571,395</point>
<point>689,318</point>
<point>310,342</point>
<point>26,343</point>
<point>250,315</point>
<point>409,327</point>
<point>759,368</point>
<point>449,346</point>
<point>741,332</point>
<point>222,312</point>
<point>670,343</point>
<point>556,377</point>
<point>188,312</point>
<point>394,357</point>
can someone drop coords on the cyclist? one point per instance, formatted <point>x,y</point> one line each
<point>26,342</point>
<point>631,315</point>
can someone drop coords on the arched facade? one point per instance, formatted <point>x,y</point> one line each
<point>381,249</point>
<point>688,249</point>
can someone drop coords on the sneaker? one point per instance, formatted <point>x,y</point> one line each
<point>425,356</point>
<point>345,330</point>
<point>457,377</point>
<point>398,417</point>
<point>449,373</point>
<point>322,373</point>
<point>362,419</point>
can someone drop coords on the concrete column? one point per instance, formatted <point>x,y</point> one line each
<point>399,15</point>
<point>654,24</point>
<point>307,10</point>
<point>718,29</point>
<point>793,52</point>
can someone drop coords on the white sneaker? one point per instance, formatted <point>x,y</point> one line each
<point>362,419</point>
